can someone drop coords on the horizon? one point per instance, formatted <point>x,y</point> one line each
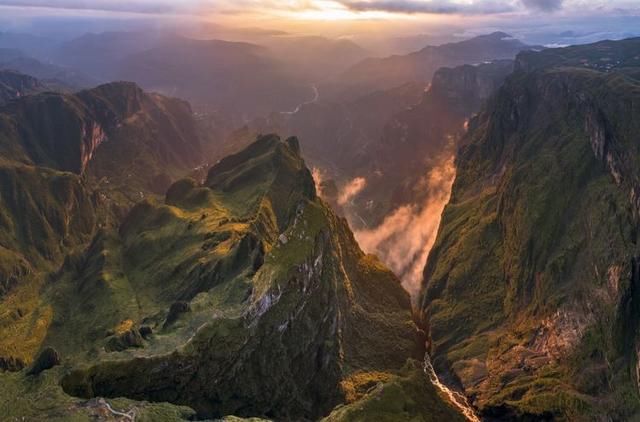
<point>319,210</point>
<point>403,25</point>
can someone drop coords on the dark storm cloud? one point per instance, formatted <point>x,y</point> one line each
<point>544,5</point>
<point>435,6</point>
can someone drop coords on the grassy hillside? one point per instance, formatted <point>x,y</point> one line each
<point>244,295</point>
<point>51,206</point>
<point>530,289</point>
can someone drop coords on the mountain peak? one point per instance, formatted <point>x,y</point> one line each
<point>499,35</point>
<point>270,168</point>
<point>64,131</point>
<point>15,85</point>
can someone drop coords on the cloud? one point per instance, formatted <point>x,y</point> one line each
<point>543,5</point>
<point>274,7</point>
<point>351,190</point>
<point>431,6</point>
<point>405,237</point>
<point>118,6</point>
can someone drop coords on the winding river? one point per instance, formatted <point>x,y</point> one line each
<point>316,97</point>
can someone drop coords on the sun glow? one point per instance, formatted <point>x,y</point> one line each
<point>327,10</point>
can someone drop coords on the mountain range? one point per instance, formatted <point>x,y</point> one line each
<point>530,292</point>
<point>161,262</point>
<point>246,276</point>
<point>419,67</point>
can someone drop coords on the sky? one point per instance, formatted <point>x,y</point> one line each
<point>545,19</point>
<point>330,9</point>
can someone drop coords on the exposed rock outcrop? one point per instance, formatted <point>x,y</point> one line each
<point>47,359</point>
<point>530,291</point>
<point>15,85</point>
<point>273,328</point>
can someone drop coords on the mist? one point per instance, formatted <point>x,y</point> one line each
<point>351,190</point>
<point>405,237</point>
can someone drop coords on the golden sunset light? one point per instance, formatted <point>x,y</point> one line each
<point>319,210</point>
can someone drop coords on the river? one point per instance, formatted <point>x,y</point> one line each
<point>316,97</point>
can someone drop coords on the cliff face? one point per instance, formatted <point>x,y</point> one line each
<point>420,67</point>
<point>419,138</point>
<point>530,291</point>
<point>465,88</point>
<point>64,132</point>
<point>46,138</point>
<point>57,187</point>
<point>15,85</point>
<point>454,95</point>
<point>282,315</point>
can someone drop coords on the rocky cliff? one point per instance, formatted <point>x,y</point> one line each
<point>281,316</point>
<point>64,132</point>
<point>242,295</point>
<point>56,189</point>
<point>530,290</point>
<point>15,85</point>
<point>419,138</point>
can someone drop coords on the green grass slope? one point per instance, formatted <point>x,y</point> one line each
<point>531,288</point>
<point>281,303</point>
<point>119,135</point>
<point>244,295</point>
<point>70,164</point>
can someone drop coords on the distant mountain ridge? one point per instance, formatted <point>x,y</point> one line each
<point>59,150</point>
<point>242,79</point>
<point>63,131</point>
<point>419,67</point>
<point>15,85</point>
<point>55,77</point>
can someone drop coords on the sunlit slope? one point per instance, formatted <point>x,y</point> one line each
<point>117,134</point>
<point>72,163</point>
<point>243,295</point>
<point>530,291</point>
<point>53,199</point>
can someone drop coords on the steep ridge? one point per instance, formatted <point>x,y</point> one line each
<point>15,85</point>
<point>132,128</point>
<point>249,280</point>
<point>410,170</point>
<point>420,66</point>
<point>57,189</point>
<point>530,290</point>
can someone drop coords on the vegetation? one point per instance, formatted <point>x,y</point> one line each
<point>406,396</point>
<point>528,286</point>
<point>248,279</point>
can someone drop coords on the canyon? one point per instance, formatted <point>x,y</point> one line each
<point>457,243</point>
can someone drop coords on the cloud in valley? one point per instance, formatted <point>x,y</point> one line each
<point>405,237</point>
<point>351,190</point>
